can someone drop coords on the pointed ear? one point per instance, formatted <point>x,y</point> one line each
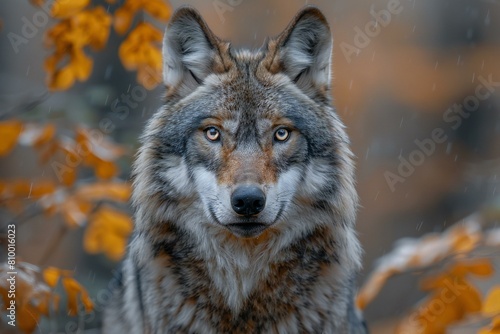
<point>191,52</point>
<point>303,52</point>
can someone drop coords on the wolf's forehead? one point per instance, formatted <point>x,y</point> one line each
<point>235,125</point>
<point>247,56</point>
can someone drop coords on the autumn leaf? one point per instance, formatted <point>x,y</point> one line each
<point>491,304</point>
<point>63,9</point>
<point>157,8</point>
<point>123,19</point>
<point>100,153</point>
<point>372,288</point>
<point>9,131</point>
<point>125,14</point>
<point>37,135</point>
<point>33,296</point>
<point>51,276</point>
<point>117,191</point>
<point>69,37</point>
<point>107,232</point>
<point>76,292</point>
<point>75,211</point>
<point>141,52</point>
<point>478,267</point>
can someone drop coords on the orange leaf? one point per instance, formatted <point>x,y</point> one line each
<point>107,232</point>
<point>27,318</point>
<point>372,287</point>
<point>81,65</point>
<point>51,276</point>
<point>492,302</point>
<point>9,132</point>
<point>73,289</point>
<point>123,20</point>
<point>37,135</point>
<point>63,9</point>
<point>141,51</point>
<point>470,298</point>
<point>86,301</point>
<point>479,267</point>
<point>62,79</point>
<point>158,9</point>
<point>117,191</point>
<point>106,170</point>
<point>75,211</point>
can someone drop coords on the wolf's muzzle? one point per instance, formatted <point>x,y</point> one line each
<point>248,200</point>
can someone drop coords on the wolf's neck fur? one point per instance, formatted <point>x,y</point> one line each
<point>215,262</point>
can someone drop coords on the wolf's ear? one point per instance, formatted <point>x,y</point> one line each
<point>303,52</point>
<point>190,52</point>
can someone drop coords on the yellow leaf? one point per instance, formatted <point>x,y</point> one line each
<point>107,232</point>
<point>117,191</point>
<point>148,77</point>
<point>98,24</point>
<point>48,133</point>
<point>470,298</point>
<point>9,132</point>
<point>81,65</point>
<point>372,287</point>
<point>106,169</point>
<point>464,239</point>
<point>76,292</point>
<point>51,276</point>
<point>491,304</point>
<point>75,211</point>
<point>86,301</point>
<point>27,318</point>
<point>141,51</point>
<point>123,20</point>
<point>62,79</point>
<point>158,9</point>
<point>479,267</point>
<point>63,9</point>
<point>72,288</point>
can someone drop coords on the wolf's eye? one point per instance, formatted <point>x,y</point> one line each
<point>281,134</point>
<point>212,134</point>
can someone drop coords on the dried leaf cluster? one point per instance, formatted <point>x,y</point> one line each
<point>82,26</point>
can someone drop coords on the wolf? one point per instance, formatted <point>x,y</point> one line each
<point>243,191</point>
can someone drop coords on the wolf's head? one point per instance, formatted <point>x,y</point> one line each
<point>247,142</point>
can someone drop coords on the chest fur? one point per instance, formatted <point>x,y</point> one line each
<point>240,292</point>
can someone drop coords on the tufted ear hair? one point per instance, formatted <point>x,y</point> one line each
<point>303,52</point>
<point>191,52</point>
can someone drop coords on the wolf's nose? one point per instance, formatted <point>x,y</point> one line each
<point>248,200</point>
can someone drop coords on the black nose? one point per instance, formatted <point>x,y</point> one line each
<point>248,200</point>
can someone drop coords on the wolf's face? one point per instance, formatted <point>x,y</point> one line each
<point>250,136</point>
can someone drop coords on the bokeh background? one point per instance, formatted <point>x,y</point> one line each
<point>396,89</point>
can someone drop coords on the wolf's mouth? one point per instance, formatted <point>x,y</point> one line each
<point>247,230</point>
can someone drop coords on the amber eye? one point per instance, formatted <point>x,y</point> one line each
<point>212,134</point>
<point>281,134</point>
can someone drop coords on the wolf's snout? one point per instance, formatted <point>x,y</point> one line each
<point>248,200</point>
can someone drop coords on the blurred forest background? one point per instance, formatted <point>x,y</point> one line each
<point>419,93</point>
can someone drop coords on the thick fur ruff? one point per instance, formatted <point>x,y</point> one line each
<point>187,270</point>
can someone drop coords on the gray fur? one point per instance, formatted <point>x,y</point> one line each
<point>186,271</point>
